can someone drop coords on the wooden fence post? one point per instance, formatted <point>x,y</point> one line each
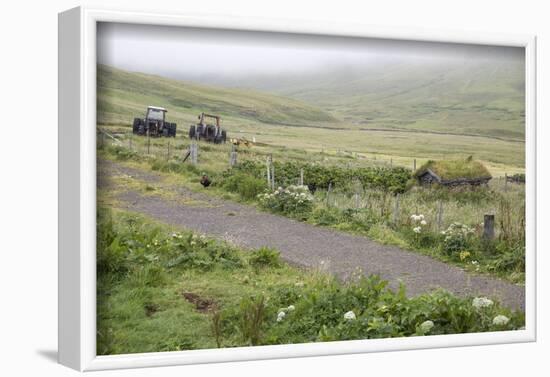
<point>168,151</point>
<point>148,142</point>
<point>396,210</point>
<point>328,193</point>
<point>194,152</point>
<point>272,176</point>
<point>268,169</point>
<point>440,215</point>
<point>233,156</point>
<point>301,177</point>
<point>489,227</point>
<point>414,165</point>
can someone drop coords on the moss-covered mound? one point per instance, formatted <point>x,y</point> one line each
<point>449,170</point>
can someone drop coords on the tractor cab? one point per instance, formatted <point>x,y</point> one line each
<point>154,119</point>
<point>155,114</point>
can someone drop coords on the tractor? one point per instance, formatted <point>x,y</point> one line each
<point>154,124</point>
<point>212,133</point>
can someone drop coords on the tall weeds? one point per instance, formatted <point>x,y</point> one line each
<point>252,317</point>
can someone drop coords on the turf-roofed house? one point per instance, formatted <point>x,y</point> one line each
<point>453,173</point>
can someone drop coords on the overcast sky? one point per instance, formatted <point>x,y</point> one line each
<point>193,53</point>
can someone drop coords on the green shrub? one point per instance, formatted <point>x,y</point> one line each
<point>456,238</point>
<point>112,252</point>
<point>326,216</point>
<point>509,258</point>
<point>199,252</point>
<point>317,176</point>
<point>246,186</point>
<point>265,257</point>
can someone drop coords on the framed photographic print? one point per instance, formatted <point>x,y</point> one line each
<point>240,189</point>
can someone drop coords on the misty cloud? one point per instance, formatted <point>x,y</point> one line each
<point>210,55</point>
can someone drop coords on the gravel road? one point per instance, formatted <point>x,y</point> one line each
<point>306,245</point>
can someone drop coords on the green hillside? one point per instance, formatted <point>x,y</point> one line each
<point>369,124</point>
<point>473,98</point>
<point>124,95</point>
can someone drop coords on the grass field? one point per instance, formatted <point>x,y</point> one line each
<point>281,124</point>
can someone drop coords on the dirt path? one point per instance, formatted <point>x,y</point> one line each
<point>307,245</point>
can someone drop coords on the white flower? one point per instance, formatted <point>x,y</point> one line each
<point>481,302</point>
<point>420,217</point>
<point>426,326</point>
<point>291,308</point>
<point>417,229</point>
<point>423,222</point>
<point>174,235</point>
<point>281,316</point>
<point>349,315</point>
<point>500,320</point>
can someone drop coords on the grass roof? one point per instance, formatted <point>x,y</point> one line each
<point>455,169</point>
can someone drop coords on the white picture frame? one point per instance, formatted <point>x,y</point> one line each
<point>77,190</point>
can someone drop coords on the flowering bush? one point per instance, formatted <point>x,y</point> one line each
<point>349,315</point>
<point>281,313</point>
<point>500,320</point>
<point>425,327</point>
<point>482,302</point>
<point>418,223</point>
<point>456,238</point>
<point>327,311</point>
<point>421,236</point>
<point>290,200</point>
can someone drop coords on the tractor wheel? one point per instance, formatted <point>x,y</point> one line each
<point>173,129</point>
<point>192,132</point>
<point>141,129</point>
<point>135,127</point>
<point>165,131</point>
<point>224,136</point>
<point>200,131</point>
